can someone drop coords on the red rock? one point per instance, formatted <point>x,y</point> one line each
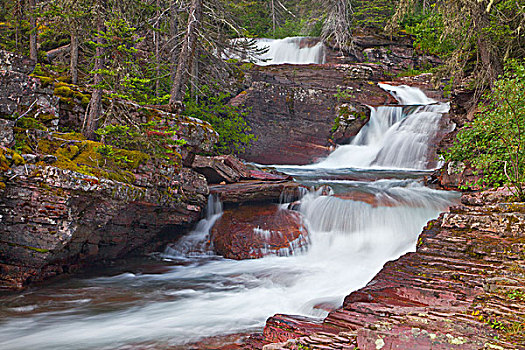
<point>280,328</point>
<point>251,232</point>
<point>292,111</point>
<point>264,175</point>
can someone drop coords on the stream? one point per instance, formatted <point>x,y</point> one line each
<point>376,209</point>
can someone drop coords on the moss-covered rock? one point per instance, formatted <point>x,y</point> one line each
<point>87,157</point>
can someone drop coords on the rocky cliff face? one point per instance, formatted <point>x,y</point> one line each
<point>462,289</point>
<point>297,114</point>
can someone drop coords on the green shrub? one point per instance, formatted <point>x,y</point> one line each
<point>494,143</point>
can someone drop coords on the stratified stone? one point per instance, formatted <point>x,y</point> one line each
<point>254,231</point>
<point>220,168</point>
<point>53,221</point>
<point>254,191</point>
<point>292,111</point>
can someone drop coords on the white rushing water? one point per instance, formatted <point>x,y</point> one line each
<point>396,137</point>
<point>198,295</point>
<point>292,50</point>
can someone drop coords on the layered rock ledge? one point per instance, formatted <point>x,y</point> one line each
<point>462,289</point>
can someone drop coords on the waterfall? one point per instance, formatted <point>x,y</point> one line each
<point>396,137</point>
<point>293,50</point>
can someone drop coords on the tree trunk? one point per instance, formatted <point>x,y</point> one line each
<point>95,105</point>
<point>73,51</point>
<point>273,17</point>
<point>187,54</point>
<point>156,39</point>
<point>174,23</point>
<point>33,54</point>
<point>195,80</point>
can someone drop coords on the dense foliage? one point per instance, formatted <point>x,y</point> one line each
<point>494,143</point>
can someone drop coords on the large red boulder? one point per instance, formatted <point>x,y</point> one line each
<point>251,232</point>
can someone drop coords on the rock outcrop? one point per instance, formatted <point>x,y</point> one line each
<point>227,169</point>
<point>55,221</point>
<point>298,113</point>
<point>462,289</point>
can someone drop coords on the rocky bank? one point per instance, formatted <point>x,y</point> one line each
<point>67,202</point>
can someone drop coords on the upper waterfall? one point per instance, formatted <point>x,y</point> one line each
<point>396,137</point>
<point>292,50</point>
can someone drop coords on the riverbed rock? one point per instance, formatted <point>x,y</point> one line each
<point>255,231</point>
<point>462,289</point>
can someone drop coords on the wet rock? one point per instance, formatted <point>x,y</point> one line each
<point>265,175</point>
<point>254,231</point>
<point>220,168</point>
<point>279,328</point>
<point>349,122</point>
<point>293,111</point>
<point>55,221</point>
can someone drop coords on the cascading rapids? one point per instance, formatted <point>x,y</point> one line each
<point>353,231</point>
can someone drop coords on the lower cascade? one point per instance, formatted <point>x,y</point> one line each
<point>369,207</point>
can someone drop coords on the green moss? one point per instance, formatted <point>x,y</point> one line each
<point>63,91</point>
<point>64,79</point>
<point>45,117</point>
<point>85,101</point>
<point>39,250</point>
<point>9,158</point>
<point>82,156</point>
<point>26,123</point>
